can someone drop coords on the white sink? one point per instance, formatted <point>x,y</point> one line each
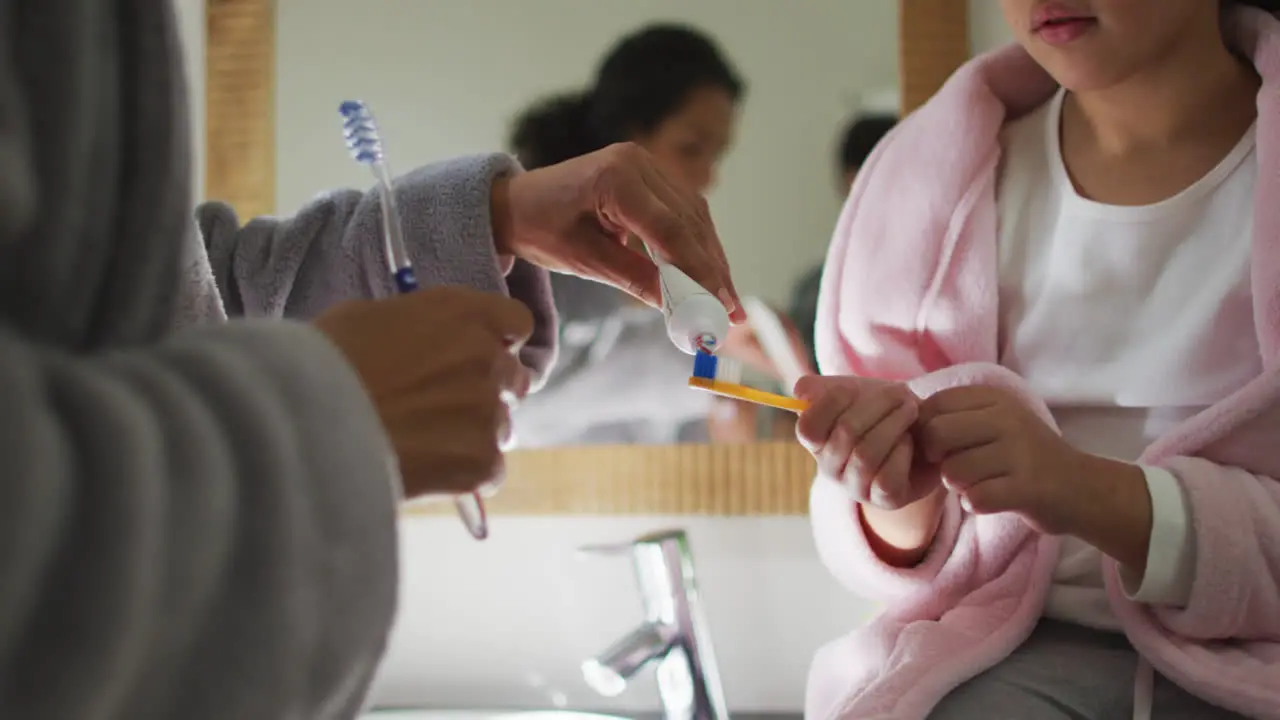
<point>485,715</point>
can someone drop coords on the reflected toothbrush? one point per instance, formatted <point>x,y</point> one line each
<point>365,145</point>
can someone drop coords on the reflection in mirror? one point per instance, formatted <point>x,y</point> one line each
<point>747,101</point>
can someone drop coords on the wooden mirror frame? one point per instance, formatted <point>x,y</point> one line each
<point>240,104</point>
<point>770,478</point>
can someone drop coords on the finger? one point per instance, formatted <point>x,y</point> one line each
<point>838,457</point>
<point>710,239</point>
<point>871,407</point>
<point>809,386</point>
<point>490,487</point>
<point>506,430</point>
<point>460,458</point>
<point>945,435</point>
<point>975,465</point>
<point>610,261</point>
<point>480,464</point>
<point>496,477</point>
<point>498,315</point>
<point>815,425</point>
<point>833,458</point>
<point>503,317</point>
<point>871,452</point>
<point>958,399</point>
<point>996,495</point>
<point>513,379</point>
<point>651,208</point>
<point>891,485</point>
<point>737,313</point>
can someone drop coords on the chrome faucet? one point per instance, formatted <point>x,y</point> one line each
<point>674,635</point>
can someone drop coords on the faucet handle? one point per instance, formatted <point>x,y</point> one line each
<point>606,549</point>
<point>662,537</point>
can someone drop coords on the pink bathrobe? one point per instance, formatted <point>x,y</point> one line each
<point>910,293</point>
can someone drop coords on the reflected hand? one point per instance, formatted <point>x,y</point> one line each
<point>743,345</point>
<point>732,421</point>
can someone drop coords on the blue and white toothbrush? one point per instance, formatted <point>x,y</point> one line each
<point>365,146</point>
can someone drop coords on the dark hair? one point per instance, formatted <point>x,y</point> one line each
<point>1271,6</point>
<point>645,78</point>
<point>861,137</point>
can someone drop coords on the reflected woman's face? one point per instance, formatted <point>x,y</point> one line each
<point>690,143</point>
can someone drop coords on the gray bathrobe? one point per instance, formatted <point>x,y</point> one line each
<point>194,524</point>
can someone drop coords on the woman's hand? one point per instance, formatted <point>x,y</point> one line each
<point>440,366</point>
<point>859,430</point>
<point>575,218</point>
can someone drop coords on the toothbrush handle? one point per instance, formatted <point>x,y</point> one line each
<point>471,510</point>
<point>470,507</point>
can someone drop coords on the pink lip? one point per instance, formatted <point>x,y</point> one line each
<point>1051,11</point>
<point>1058,24</point>
<point>1063,32</point>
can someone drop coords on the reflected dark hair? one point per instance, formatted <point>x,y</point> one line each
<point>1271,6</point>
<point>861,136</point>
<point>644,79</point>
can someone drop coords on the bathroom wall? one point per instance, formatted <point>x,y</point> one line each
<point>987,29</point>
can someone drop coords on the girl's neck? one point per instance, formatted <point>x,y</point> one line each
<point>1201,90</point>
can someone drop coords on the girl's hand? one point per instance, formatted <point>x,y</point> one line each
<point>859,431</point>
<point>1000,457</point>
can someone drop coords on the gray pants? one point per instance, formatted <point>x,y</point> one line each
<point>1069,672</point>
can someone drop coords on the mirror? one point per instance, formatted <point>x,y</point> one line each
<point>264,102</point>
<point>446,78</point>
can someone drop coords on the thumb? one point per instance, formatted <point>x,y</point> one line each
<point>807,387</point>
<point>507,318</point>
<point>612,262</point>
<point>810,387</point>
<point>988,497</point>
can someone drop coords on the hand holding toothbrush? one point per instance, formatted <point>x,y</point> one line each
<point>860,432</point>
<point>576,217</point>
<point>440,367</point>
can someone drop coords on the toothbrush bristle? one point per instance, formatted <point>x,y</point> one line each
<point>361,132</point>
<point>704,365</point>
<point>729,370</point>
